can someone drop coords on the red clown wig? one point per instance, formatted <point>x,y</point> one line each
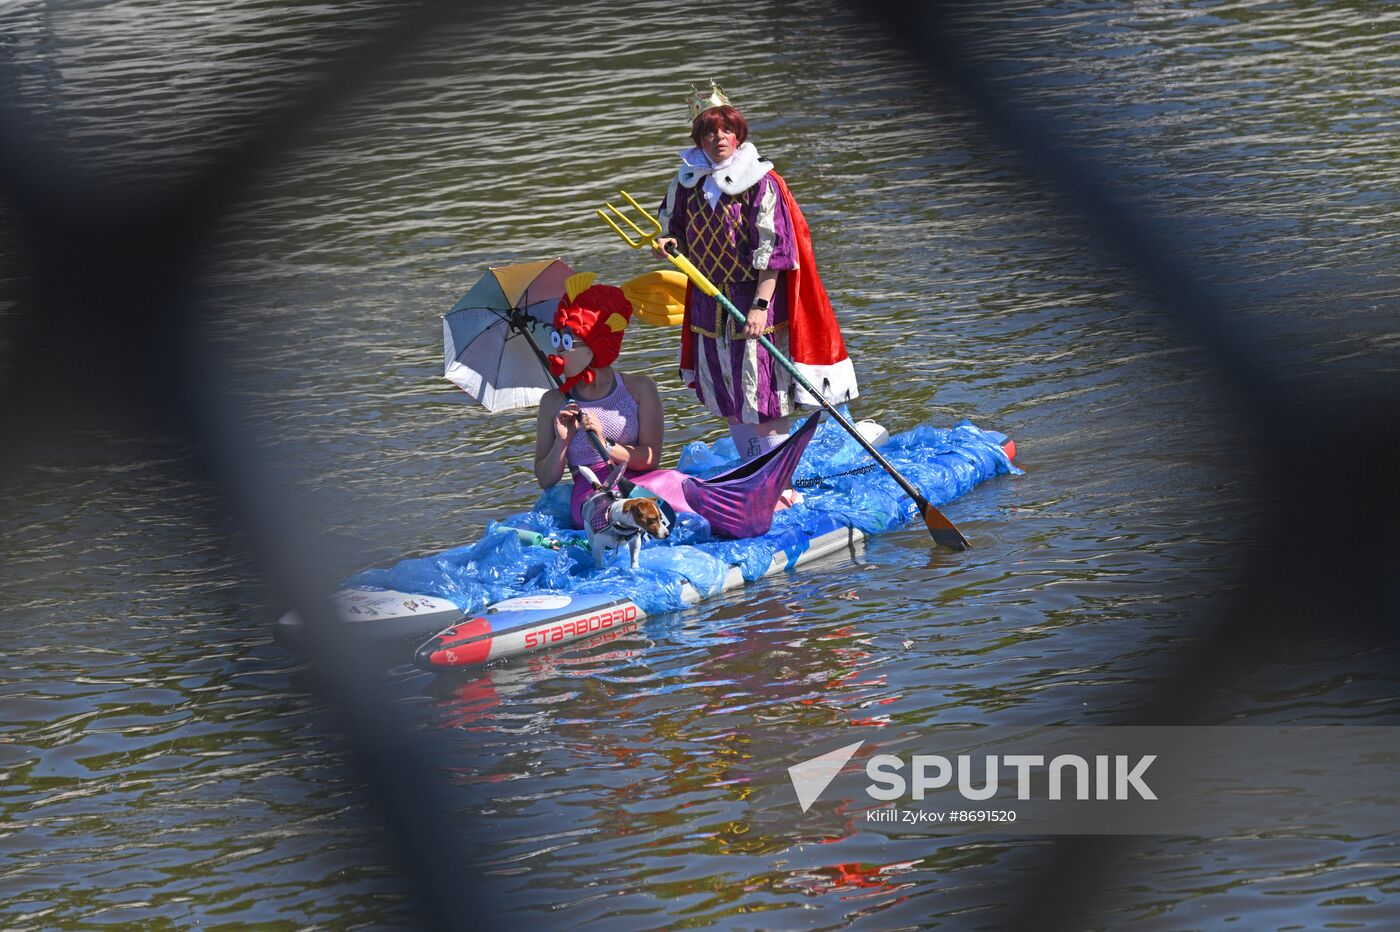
<point>596,315</point>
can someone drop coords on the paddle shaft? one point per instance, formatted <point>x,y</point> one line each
<point>945,533</point>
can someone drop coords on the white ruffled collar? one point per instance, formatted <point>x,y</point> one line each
<point>734,175</point>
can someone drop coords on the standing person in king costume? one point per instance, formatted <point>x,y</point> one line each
<point>732,215</point>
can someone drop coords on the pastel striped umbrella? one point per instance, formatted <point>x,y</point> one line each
<point>484,356</point>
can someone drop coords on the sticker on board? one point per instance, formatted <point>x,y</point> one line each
<point>531,603</point>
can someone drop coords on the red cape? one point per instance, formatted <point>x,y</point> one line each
<point>814,337</point>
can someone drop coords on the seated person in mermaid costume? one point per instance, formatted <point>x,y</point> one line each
<point>625,411</point>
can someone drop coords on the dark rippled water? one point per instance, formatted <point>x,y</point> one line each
<point>162,762</point>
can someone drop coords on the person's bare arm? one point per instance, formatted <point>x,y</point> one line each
<point>555,424</point>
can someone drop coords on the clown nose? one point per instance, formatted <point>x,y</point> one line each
<point>556,365</point>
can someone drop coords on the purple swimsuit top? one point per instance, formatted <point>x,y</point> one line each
<point>617,412</point>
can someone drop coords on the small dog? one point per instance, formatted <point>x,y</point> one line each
<point>612,520</point>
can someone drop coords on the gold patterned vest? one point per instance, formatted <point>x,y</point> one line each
<point>718,240</point>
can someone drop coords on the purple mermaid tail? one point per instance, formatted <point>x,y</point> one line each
<point>738,503</point>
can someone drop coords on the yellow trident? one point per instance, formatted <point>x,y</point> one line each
<point>649,239</point>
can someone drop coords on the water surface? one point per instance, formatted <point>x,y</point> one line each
<point>164,762</point>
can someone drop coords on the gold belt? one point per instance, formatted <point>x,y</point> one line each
<point>734,332</point>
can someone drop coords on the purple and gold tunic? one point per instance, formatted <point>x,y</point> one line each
<point>742,235</point>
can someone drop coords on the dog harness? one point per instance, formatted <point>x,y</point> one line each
<point>602,517</point>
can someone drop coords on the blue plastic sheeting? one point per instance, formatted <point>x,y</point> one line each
<point>942,463</point>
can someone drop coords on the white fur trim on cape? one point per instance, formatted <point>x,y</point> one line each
<point>836,381</point>
<point>734,175</point>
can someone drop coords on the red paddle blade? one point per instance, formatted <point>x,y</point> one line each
<point>943,532</point>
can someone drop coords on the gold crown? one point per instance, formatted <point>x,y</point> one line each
<point>700,101</point>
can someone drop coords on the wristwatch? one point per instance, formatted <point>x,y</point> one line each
<point>759,304</point>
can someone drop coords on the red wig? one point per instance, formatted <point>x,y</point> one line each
<point>597,316</point>
<point>725,117</point>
